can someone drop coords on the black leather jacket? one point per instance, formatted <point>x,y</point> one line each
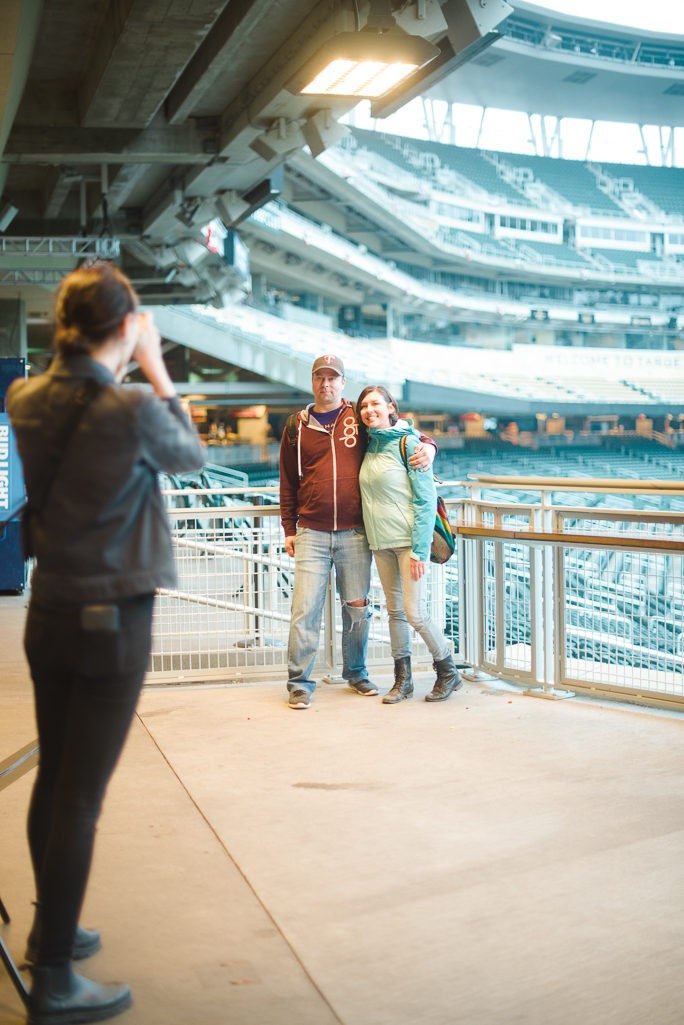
<point>103,533</point>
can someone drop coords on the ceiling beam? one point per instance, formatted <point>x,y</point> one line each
<point>214,54</point>
<point>19,21</point>
<point>264,98</point>
<point>57,188</point>
<point>156,145</point>
<point>142,47</point>
<point>123,186</point>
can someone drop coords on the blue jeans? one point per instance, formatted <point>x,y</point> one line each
<point>407,604</point>
<point>316,552</point>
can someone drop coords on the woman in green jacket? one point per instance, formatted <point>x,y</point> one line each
<point>399,508</point>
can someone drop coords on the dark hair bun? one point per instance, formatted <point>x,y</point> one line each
<point>69,339</point>
<point>92,304</point>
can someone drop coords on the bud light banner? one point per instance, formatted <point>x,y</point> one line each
<point>11,477</point>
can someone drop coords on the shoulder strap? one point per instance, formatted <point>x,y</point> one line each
<point>291,428</point>
<point>402,451</point>
<point>81,400</point>
<point>404,457</point>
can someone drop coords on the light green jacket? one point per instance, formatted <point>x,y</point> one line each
<point>399,507</point>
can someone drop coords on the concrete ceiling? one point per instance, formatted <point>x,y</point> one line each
<point>161,106</point>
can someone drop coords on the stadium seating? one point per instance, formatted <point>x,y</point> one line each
<point>624,257</point>
<point>483,243</point>
<point>405,153</point>
<point>571,179</point>
<point>433,364</point>
<point>664,186</point>
<point>557,252</point>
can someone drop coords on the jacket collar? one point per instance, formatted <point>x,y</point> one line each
<point>401,427</point>
<point>80,365</point>
<point>306,414</point>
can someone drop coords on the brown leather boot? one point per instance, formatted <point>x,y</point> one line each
<point>403,681</point>
<point>448,679</point>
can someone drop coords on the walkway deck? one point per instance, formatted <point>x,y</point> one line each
<point>490,861</point>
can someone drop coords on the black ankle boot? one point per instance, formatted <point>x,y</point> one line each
<point>60,997</point>
<point>403,681</point>
<point>86,943</point>
<point>448,679</point>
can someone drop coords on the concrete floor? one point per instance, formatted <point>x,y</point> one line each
<point>490,861</point>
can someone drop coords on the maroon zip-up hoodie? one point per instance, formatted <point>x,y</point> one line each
<point>319,475</point>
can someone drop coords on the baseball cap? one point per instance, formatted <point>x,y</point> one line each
<point>332,362</point>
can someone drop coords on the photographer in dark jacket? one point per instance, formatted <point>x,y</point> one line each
<point>96,526</point>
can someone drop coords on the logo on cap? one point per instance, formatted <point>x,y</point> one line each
<point>329,359</point>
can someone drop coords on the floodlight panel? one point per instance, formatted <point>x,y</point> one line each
<point>358,78</point>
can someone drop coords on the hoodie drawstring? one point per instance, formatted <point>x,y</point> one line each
<point>299,449</point>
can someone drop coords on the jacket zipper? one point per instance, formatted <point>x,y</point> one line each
<point>334,461</point>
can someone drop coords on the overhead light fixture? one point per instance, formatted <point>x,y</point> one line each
<point>552,39</point>
<point>7,215</point>
<point>364,64</point>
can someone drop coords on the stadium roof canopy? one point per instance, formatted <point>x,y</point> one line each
<point>565,66</point>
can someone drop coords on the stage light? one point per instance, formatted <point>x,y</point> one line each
<point>7,215</point>
<point>364,64</point>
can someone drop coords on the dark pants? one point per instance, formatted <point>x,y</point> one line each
<point>86,687</point>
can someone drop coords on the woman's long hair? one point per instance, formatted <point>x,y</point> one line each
<point>92,304</point>
<point>389,399</point>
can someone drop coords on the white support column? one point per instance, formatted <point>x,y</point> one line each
<point>666,149</point>
<point>533,134</point>
<point>557,139</point>
<point>430,120</point>
<point>452,126</point>
<point>479,131</point>
<point>644,145</point>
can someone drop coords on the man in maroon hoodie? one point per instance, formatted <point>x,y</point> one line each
<point>320,457</point>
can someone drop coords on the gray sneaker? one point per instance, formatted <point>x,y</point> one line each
<point>299,699</point>
<point>364,687</point>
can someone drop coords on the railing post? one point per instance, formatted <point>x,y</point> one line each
<point>256,575</point>
<point>549,607</point>
<point>473,582</point>
<point>330,633</point>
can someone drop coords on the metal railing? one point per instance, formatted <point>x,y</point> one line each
<point>574,598</point>
<point>229,617</point>
<point>556,593</point>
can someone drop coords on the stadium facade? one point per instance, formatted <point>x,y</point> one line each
<point>468,280</point>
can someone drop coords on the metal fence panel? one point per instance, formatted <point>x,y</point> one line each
<point>229,616</point>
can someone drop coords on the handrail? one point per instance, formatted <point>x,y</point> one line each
<point>582,483</point>
<point>253,489</point>
<point>226,512</point>
<point>571,540</point>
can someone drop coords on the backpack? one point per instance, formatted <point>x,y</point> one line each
<point>443,544</point>
<point>291,428</point>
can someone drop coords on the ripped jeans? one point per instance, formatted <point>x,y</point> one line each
<point>316,552</point>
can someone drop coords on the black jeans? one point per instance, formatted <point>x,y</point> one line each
<point>86,688</point>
